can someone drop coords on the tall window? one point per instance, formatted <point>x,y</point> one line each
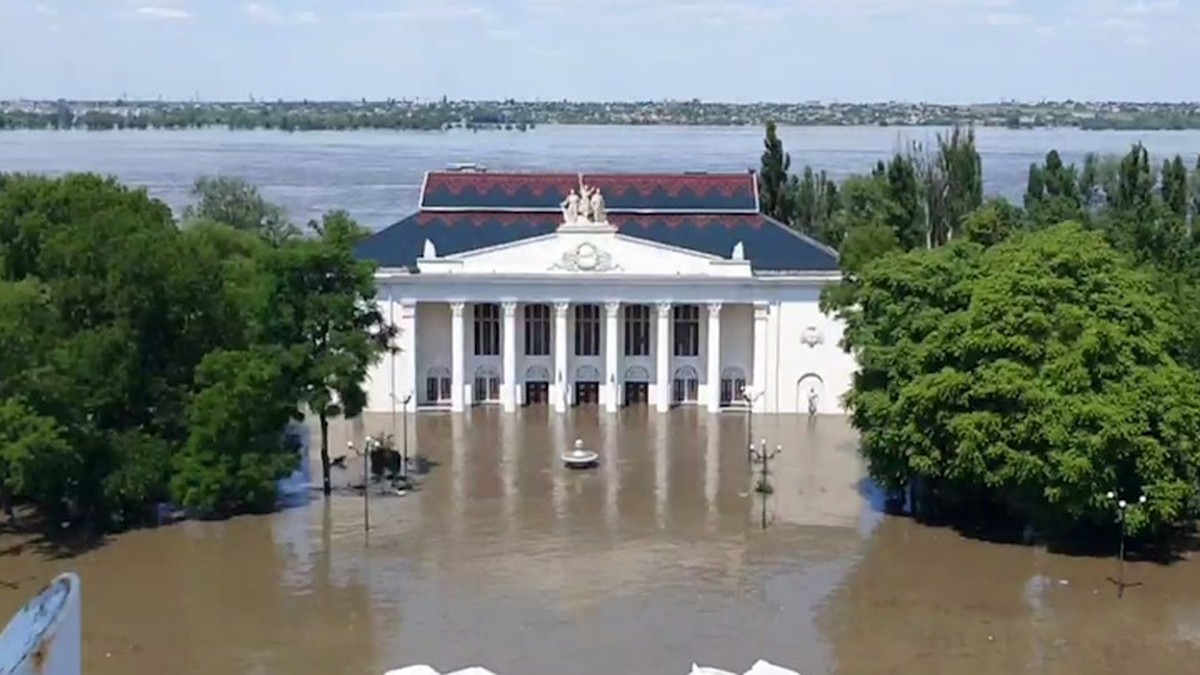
<point>537,330</point>
<point>687,330</point>
<point>487,330</point>
<point>637,330</point>
<point>587,330</point>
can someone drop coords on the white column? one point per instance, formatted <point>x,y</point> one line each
<point>457,354</point>
<point>408,357</point>
<point>662,356</point>
<point>508,390</point>
<point>561,376</point>
<point>714,357</point>
<point>760,356</point>
<point>611,343</point>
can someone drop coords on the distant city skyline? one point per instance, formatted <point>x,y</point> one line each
<point>938,51</point>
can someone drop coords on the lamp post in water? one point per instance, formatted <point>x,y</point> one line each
<point>366,481</point>
<point>404,459</point>
<point>750,395</point>
<point>1122,505</point>
<point>763,486</point>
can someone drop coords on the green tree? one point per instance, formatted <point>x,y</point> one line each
<point>238,204</point>
<point>993,222</point>
<point>907,218</point>
<point>325,310</point>
<point>1174,187</point>
<point>815,201</point>
<point>33,454</point>
<point>235,452</point>
<point>1053,192</point>
<point>1030,379</point>
<point>954,185</point>
<point>773,178</point>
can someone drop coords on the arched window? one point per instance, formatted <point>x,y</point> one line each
<point>587,374</point>
<point>637,374</point>
<point>487,385</point>
<point>537,373</point>
<point>685,386</point>
<point>733,386</point>
<point>437,385</point>
<point>810,390</point>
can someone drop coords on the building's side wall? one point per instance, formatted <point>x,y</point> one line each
<point>822,368</point>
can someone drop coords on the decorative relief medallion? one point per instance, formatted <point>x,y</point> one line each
<point>585,258</point>
<point>812,336</point>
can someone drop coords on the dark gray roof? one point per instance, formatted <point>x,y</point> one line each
<point>769,245</point>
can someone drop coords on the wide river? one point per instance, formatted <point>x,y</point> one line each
<point>653,560</point>
<point>376,175</point>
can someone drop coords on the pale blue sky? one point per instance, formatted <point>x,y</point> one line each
<point>729,50</point>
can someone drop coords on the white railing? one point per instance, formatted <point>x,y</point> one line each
<point>760,668</point>
<point>45,637</point>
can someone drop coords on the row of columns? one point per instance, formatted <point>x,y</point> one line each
<point>560,378</point>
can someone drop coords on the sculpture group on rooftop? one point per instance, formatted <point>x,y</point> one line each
<point>586,206</point>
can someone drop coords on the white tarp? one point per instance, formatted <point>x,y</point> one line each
<point>759,668</point>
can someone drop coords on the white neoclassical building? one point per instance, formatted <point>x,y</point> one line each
<point>609,290</point>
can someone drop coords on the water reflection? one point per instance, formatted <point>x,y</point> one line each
<point>643,565</point>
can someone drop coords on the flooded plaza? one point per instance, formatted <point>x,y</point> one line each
<point>650,561</point>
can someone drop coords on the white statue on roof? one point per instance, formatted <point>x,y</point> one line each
<point>585,203</point>
<point>571,208</point>
<point>599,214</point>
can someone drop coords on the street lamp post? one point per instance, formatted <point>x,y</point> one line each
<point>763,487</point>
<point>366,480</point>
<point>750,395</point>
<point>404,459</point>
<point>1122,505</point>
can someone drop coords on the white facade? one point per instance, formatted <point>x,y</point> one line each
<point>587,311</point>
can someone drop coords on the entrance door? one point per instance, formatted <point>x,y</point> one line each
<point>637,393</point>
<point>587,393</point>
<point>537,393</point>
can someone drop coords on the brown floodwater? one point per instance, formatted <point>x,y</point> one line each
<point>651,561</point>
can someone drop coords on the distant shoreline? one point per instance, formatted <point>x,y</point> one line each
<point>533,127</point>
<point>522,116</point>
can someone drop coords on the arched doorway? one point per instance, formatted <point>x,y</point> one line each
<point>733,386</point>
<point>537,385</point>
<point>587,385</point>
<point>637,386</point>
<point>437,385</point>
<point>810,394</point>
<point>685,386</point>
<point>486,387</point>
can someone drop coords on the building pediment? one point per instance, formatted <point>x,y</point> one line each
<point>586,249</point>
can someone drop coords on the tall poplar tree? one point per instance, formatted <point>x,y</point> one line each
<point>774,195</point>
